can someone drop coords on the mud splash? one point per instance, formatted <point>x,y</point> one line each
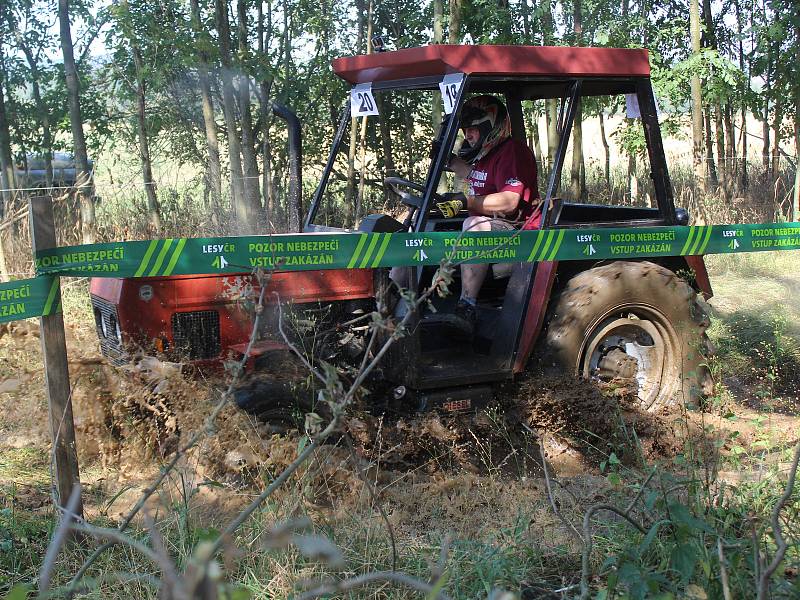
<point>147,411</point>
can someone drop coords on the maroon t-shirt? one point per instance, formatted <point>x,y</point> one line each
<point>508,168</point>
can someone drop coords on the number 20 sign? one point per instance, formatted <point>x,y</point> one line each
<point>362,102</point>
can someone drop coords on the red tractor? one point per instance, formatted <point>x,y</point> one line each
<point>636,320</point>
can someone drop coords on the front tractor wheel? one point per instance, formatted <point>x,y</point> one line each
<point>634,323</point>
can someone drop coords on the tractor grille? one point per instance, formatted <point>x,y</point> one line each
<point>106,321</point>
<point>195,335</point>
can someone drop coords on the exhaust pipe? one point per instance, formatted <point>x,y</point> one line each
<point>295,164</point>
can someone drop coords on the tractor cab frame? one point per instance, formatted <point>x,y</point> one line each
<point>516,73</point>
<point>511,311</point>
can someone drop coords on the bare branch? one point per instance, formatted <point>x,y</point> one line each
<point>169,575</point>
<point>374,577</point>
<point>443,555</point>
<point>374,496</point>
<point>116,537</point>
<point>587,536</point>
<point>550,497</point>
<point>278,482</point>
<point>58,539</point>
<point>331,427</point>
<point>763,583</point>
<point>635,501</point>
<point>723,572</point>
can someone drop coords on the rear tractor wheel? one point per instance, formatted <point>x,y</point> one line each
<point>632,322</point>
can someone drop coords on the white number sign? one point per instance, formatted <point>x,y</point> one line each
<point>362,102</point>
<point>449,86</point>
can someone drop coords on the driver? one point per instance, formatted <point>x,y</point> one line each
<point>501,191</point>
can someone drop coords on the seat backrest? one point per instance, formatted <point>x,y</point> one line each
<point>377,223</point>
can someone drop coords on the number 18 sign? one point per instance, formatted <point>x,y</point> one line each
<point>362,102</point>
<point>449,87</point>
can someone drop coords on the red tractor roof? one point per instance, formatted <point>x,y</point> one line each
<point>501,61</point>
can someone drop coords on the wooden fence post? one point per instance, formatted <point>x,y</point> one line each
<point>56,367</point>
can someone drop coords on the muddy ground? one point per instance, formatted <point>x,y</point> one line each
<point>463,471</point>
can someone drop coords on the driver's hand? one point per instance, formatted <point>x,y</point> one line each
<point>452,204</point>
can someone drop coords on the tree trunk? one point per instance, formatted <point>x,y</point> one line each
<point>504,26</point>
<point>363,140</point>
<point>796,195</point>
<point>264,35</point>
<point>4,276</point>
<point>526,22</point>
<point>213,170</point>
<point>577,183</point>
<point>722,151</point>
<point>765,122</point>
<point>238,202</point>
<point>144,148</point>
<point>606,152</point>
<point>776,140</point>
<point>793,213</point>
<point>744,177</point>
<point>438,38</point>
<point>697,100</point>
<point>350,190</point>
<point>76,122</point>
<point>633,182</point>
<point>438,22</point>
<point>6,160</point>
<point>712,167</point>
<point>409,135</point>
<point>551,105</point>
<point>709,33</point>
<point>730,143</point>
<point>294,208</point>
<point>454,24</point>
<point>533,131</point>
<point>266,158</point>
<point>536,138</point>
<point>744,66</point>
<point>351,151</point>
<point>384,108</point>
<point>765,136</point>
<point>577,173</point>
<point>644,19</point>
<point>252,193</point>
<point>42,113</point>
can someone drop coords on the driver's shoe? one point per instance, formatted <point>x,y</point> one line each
<point>461,322</point>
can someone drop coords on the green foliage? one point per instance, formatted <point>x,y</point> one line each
<point>291,49</point>
<point>678,556</point>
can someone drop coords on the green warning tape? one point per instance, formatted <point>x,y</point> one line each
<point>300,252</point>
<point>26,298</point>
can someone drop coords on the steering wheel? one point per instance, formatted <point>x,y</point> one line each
<point>397,183</point>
